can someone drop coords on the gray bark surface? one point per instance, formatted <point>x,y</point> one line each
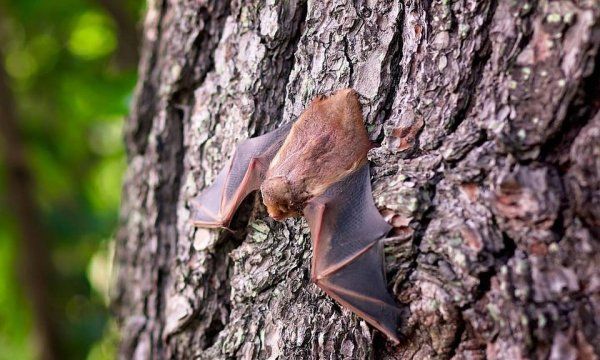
<point>489,170</point>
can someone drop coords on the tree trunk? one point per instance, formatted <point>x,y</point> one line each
<point>488,167</point>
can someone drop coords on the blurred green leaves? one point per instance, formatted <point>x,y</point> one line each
<point>15,318</point>
<point>92,36</point>
<point>71,95</point>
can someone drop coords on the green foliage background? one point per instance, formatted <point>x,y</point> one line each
<point>71,95</point>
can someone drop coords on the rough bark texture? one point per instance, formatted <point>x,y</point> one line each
<point>489,169</point>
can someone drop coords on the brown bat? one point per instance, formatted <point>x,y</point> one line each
<point>317,167</point>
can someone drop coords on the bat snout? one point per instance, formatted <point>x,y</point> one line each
<point>277,217</point>
<point>278,212</point>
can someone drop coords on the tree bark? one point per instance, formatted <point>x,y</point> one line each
<point>488,167</point>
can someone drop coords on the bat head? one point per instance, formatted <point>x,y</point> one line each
<point>281,199</point>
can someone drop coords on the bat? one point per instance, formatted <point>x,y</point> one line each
<point>317,167</point>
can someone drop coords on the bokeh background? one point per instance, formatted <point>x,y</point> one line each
<point>67,73</point>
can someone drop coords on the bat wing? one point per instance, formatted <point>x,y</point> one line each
<point>242,174</point>
<point>347,254</point>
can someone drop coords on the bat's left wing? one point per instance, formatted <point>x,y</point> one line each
<point>347,254</point>
<point>242,174</point>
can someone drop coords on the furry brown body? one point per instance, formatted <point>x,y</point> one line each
<point>325,144</point>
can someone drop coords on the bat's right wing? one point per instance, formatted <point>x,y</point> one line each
<point>346,229</point>
<point>243,173</point>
